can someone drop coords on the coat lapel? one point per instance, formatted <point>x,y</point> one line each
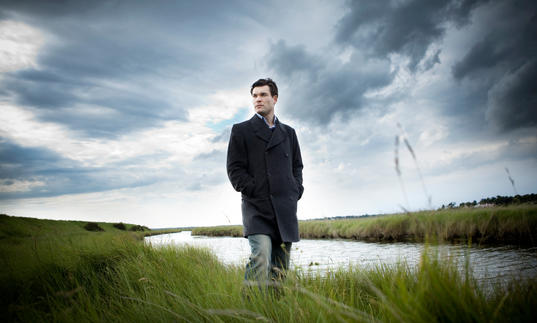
<point>271,137</point>
<point>278,136</point>
<point>260,128</point>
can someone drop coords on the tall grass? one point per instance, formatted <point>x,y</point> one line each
<point>27,244</point>
<point>113,277</point>
<point>513,225</point>
<point>219,231</point>
<point>135,283</point>
<point>500,225</point>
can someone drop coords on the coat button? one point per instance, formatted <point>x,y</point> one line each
<point>286,155</point>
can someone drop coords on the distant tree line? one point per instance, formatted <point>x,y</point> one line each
<point>489,201</point>
<point>495,201</point>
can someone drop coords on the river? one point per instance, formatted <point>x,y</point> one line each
<point>487,263</point>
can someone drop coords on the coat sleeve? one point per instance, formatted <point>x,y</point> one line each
<point>237,163</point>
<point>297,165</point>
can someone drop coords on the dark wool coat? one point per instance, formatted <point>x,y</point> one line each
<point>266,167</point>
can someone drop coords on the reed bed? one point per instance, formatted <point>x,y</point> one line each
<point>113,277</point>
<point>494,225</point>
<point>219,231</point>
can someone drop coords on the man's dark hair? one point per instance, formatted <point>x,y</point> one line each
<point>263,82</point>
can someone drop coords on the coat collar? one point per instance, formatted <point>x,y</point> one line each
<point>272,137</point>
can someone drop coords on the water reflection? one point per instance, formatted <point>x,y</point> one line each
<point>505,262</point>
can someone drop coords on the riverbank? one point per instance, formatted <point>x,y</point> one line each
<point>495,225</point>
<point>112,276</point>
<point>28,244</point>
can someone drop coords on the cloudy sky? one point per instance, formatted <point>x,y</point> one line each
<point>121,110</point>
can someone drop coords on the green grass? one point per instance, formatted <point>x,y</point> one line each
<point>27,244</point>
<point>498,225</point>
<point>219,231</point>
<point>112,277</point>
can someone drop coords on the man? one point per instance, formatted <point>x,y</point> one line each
<point>264,164</point>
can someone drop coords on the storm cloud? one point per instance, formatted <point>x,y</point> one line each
<point>381,28</point>
<point>48,174</point>
<point>108,67</point>
<point>326,88</point>
<point>330,87</point>
<point>503,61</point>
<point>113,107</point>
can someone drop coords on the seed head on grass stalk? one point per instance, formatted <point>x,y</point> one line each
<point>398,170</point>
<point>402,136</point>
<point>511,180</point>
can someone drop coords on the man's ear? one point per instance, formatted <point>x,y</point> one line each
<point>275,98</point>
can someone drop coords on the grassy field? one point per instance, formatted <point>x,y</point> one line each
<point>27,244</point>
<point>506,225</point>
<point>56,271</point>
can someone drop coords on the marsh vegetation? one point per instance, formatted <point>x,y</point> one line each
<point>516,224</point>
<point>57,271</point>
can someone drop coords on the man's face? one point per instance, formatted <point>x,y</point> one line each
<point>263,101</point>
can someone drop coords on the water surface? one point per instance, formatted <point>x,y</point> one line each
<point>487,263</point>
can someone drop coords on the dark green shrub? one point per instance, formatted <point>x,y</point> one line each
<point>120,226</point>
<point>139,228</point>
<point>92,226</point>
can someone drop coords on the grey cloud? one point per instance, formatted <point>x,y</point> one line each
<point>205,180</point>
<point>513,100</point>
<point>51,8</point>
<point>163,9</point>
<point>513,153</point>
<point>107,68</point>
<point>21,162</point>
<point>64,176</point>
<point>195,187</point>
<point>35,88</point>
<point>223,136</point>
<point>375,29</point>
<point>77,104</point>
<point>322,88</point>
<point>386,27</point>
<point>429,63</point>
<point>509,40</point>
<point>93,72</point>
<point>124,57</point>
<point>482,56</point>
<point>503,61</point>
<point>37,164</point>
<point>294,60</point>
<point>213,155</point>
